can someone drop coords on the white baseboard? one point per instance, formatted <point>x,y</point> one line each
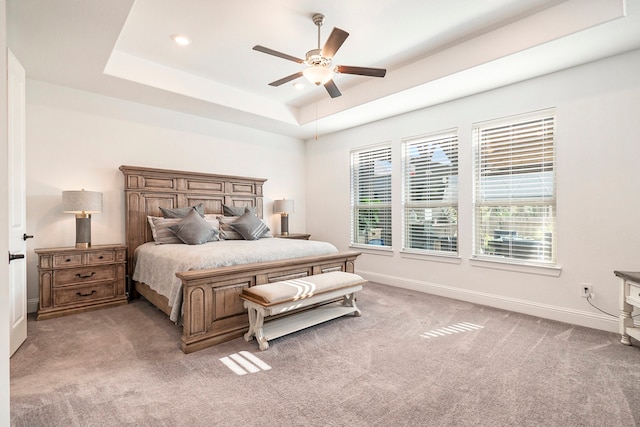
<point>561,314</point>
<point>32,305</point>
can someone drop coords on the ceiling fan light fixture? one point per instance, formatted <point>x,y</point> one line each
<point>317,74</point>
<point>181,39</point>
<point>319,70</point>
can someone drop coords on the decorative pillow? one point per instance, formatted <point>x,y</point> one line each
<point>194,230</point>
<point>266,233</point>
<point>162,234</point>
<point>237,210</point>
<point>212,219</point>
<point>226,232</point>
<point>249,226</point>
<point>215,225</point>
<point>182,212</point>
<point>160,230</point>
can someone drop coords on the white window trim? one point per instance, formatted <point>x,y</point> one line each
<point>427,138</point>
<point>514,263</point>
<point>353,233</point>
<point>552,270</point>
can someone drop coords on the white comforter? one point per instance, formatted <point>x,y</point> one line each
<point>156,265</point>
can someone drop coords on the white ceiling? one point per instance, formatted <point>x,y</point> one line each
<point>433,50</point>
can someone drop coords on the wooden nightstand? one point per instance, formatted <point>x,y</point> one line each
<point>73,280</point>
<point>300,236</point>
<point>629,299</point>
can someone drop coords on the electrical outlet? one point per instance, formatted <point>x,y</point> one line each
<point>586,290</point>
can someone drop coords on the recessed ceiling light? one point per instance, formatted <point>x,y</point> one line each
<point>181,39</point>
<point>298,86</point>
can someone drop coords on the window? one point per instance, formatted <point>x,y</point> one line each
<point>430,192</point>
<point>371,196</point>
<point>514,195</point>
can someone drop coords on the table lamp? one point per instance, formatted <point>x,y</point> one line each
<point>83,204</point>
<point>284,208</point>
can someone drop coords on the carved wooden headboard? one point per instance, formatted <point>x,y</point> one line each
<point>147,190</point>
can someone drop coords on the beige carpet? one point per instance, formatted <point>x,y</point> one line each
<point>411,360</point>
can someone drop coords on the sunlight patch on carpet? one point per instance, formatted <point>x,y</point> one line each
<point>450,330</point>
<point>244,363</point>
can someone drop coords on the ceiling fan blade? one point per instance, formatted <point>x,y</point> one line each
<point>286,79</point>
<point>278,54</point>
<point>335,40</point>
<point>361,71</point>
<point>333,90</point>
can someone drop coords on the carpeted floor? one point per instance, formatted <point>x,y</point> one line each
<point>411,360</point>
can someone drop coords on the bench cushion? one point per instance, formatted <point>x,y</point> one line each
<point>296,289</point>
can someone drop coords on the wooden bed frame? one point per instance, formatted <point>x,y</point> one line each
<point>212,309</point>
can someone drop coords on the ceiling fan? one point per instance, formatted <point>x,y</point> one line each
<point>319,69</point>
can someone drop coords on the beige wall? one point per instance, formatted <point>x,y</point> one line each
<point>598,193</point>
<point>78,140</point>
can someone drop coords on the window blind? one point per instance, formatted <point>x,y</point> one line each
<point>430,192</point>
<point>371,196</point>
<point>514,191</point>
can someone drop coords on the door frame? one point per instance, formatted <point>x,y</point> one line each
<point>4,228</point>
<point>16,194</point>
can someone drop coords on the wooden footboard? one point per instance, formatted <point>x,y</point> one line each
<point>213,311</point>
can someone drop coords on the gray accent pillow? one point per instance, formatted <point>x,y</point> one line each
<point>194,230</point>
<point>226,232</point>
<point>160,230</point>
<point>249,226</point>
<point>182,212</point>
<point>237,210</point>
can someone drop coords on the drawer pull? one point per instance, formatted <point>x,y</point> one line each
<point>80,276</point>
<point>101,257</point>
<point>67,260</point>
<point>80,294</point>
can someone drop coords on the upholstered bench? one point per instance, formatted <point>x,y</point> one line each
<point>282,297</point>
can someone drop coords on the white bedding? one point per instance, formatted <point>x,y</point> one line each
<point>156,265</point>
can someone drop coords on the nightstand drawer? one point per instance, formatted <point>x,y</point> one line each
<point>69,260</point>
<point>101,257</point>
<point>74,280</point>
<point>84,274</point>
<point>634,295</point>
<point>83,294</point>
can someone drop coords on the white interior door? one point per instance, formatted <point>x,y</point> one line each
<point>16,202</point>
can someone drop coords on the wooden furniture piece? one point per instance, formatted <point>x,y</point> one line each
<point>300,236</point>
<point>212,309</point>
<point>282,298</point>
<point>629,298</point>
<point>73,280</point>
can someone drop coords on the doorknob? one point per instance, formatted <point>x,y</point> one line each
<point>26,236</point>
<point>15,256</point>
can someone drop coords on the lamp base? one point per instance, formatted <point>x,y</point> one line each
<point>83,231</point>
<point>284,224</point>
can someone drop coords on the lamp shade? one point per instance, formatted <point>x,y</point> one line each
<point>317,74</point>
<point>283,206</point>
<point>87,202</point>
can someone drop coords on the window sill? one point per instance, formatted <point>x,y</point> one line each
<point>373,249</point>
<point>543,270</point>
<point>453,258</point>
